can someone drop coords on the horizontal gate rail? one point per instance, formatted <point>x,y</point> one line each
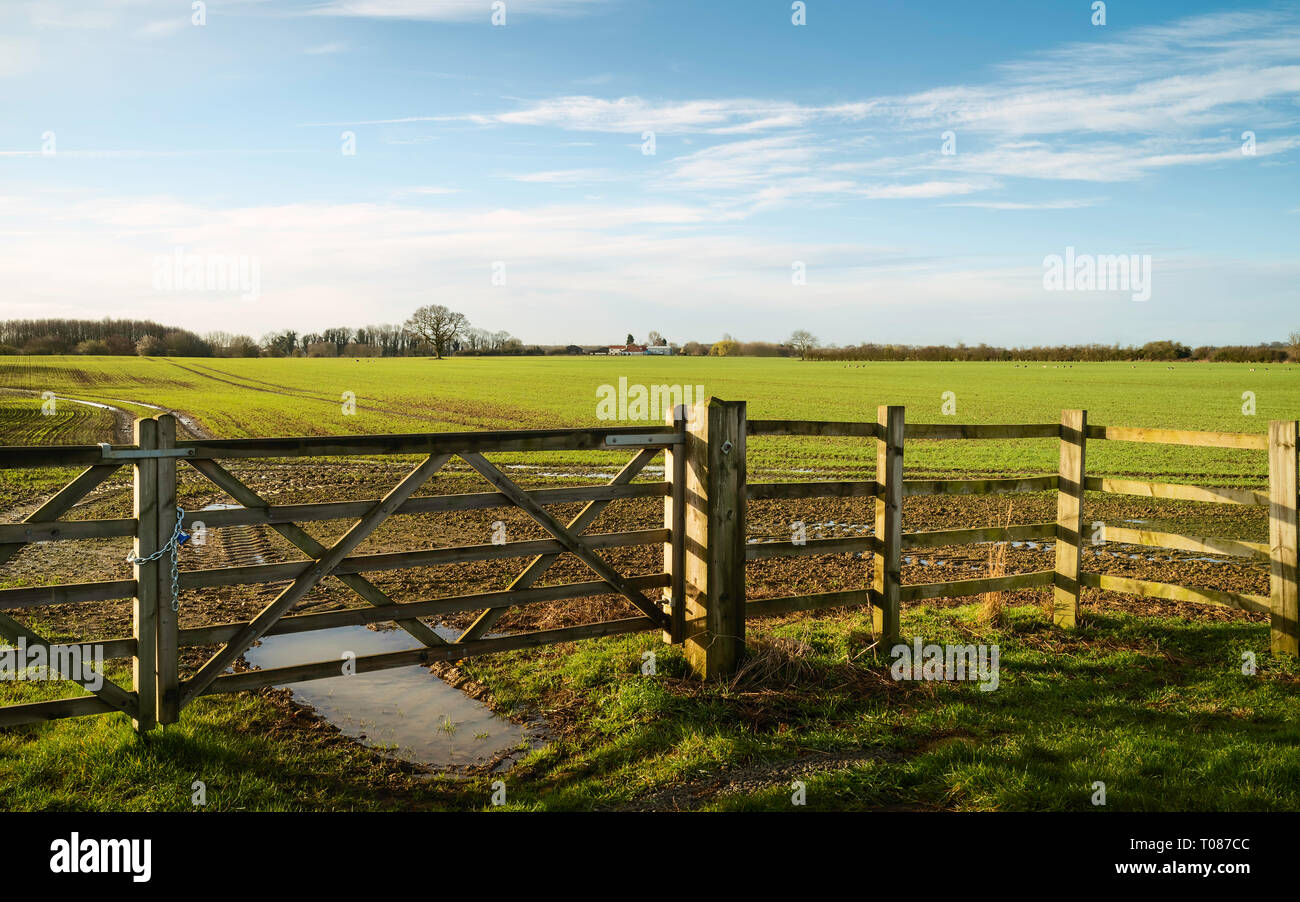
<point>401,560</point>
<point>420,443</point>
<point>66,593</point>
<point>452,604</point>
<point>271,514</point>
<point>53,709</point>
<point>452,651</point>
<point>65,530</point>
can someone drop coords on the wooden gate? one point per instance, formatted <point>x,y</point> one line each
<point>158,693</point>
<point>705,494</point>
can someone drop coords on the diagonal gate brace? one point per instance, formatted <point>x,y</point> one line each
<point>571,543</point>
<point>308,544</point>
<point>543,562</point>
<point>312,573</point>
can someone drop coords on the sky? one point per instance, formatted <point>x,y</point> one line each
<point>884,172</point>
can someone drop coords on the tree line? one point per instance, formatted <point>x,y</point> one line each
<point>1273,352</point>
<point>438,331</point>
<point>430,330</point>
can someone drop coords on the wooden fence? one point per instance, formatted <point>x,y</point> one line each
<point>705,492</point>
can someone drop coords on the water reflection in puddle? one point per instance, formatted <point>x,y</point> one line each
<point>406,712</point>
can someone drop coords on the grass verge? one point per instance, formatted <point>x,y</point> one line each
<point>1158,709</point>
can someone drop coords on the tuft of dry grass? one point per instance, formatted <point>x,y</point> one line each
<point>776,662</point>
<point>993,604</point>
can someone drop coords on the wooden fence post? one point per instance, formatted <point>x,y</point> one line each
<point>675,520</point>
<point>144,617</point>
<point>1284,636</point>
<point>169,691</point>
<point>886,574</point>
<point>714,573</point>
<point>1069,518</point>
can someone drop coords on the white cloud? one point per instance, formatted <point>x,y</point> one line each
<point>1030,205</point>
<point>1102,111</point>
<point>448,10</point>
<point>573,273</point>
<point>920,190</point>
<point>18,56</point>
<point>163,27</point>
<point>427,190</point>
<point>563,176</point>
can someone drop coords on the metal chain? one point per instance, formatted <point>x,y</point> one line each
<point>172,544</point>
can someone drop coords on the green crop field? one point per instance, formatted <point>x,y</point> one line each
<point>267,397</point>
<point>1151,700</point>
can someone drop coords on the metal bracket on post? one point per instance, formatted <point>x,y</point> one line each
<point>642,441</point>
<point>108,452</point>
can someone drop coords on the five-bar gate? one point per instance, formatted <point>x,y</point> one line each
<point>701,590</point>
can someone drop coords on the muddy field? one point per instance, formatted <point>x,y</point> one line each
<point>295,482</point>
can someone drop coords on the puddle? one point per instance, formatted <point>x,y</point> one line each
<point>88,403</point>
<point>535,470</point>
<point>406,712</point>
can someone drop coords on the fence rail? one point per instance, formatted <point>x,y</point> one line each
<point>1068,533</point>
<point>705,494</point>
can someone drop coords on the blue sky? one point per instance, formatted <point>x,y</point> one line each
<point>774,143</point>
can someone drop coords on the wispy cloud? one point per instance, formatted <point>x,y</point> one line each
<point>1027,205</point>
<point>426,190</point>
<point>1102,111</point>
<point>449,10</point>
<point>563,176</point>
<point>585,264</point>
<point>18,56</point>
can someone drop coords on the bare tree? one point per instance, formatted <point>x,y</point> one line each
<point>803,341</point>
<point>1293,344</point>
<point>436,325</point>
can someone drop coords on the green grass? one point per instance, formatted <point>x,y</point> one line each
<point>1157,709</point>
<point>268,397</point>
<point>235,746</point>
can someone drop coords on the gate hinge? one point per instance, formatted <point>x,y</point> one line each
<point>108,452</point>
<point>647,440</point>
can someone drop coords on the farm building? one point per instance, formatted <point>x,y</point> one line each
<point>640,350</point>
